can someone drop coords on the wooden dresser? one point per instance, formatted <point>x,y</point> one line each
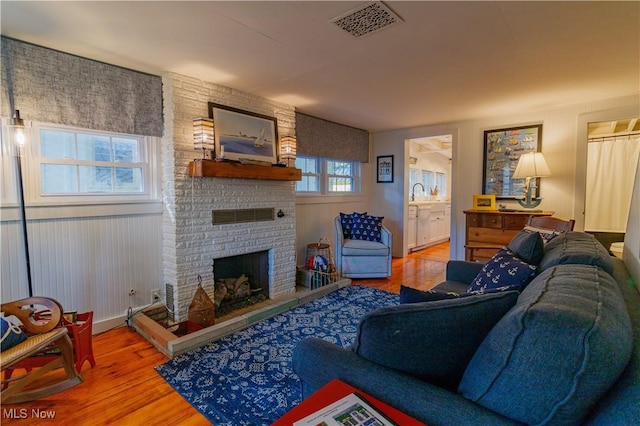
<point>487,231</point>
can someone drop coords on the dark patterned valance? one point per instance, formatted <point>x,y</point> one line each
<point>323,138</point>
<point>54,87</point>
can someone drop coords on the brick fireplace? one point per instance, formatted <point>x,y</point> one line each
<point>190,237</point>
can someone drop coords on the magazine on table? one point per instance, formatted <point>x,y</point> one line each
<point>352,410</point>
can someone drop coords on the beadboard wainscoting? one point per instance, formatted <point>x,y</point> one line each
<point>87,263</point>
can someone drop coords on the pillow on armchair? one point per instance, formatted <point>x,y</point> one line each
<point>346,220</point>
<point>366,227</point>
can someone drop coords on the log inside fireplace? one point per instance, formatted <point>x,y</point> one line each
<point>240,281</point>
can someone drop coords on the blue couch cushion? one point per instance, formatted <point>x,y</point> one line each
<point>413,295</point>
<point>364,248</point>
<point>554,355</point>
<point>366,227</point>
<point>11,334</point>
<point>504,271</point>
<point>443,335</point>
<point>576,248</point>
<point>528,246</point>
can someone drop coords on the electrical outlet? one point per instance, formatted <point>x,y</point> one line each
<point>155,296</point>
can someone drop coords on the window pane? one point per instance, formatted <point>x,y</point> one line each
<point>338,184</point>
<point>308,184</point>
<point>307,165</point>
<point>441,184</point>
<point>413,179</point>
<point>427,180</point>
<point>342,168</point>
<point>94,147</point>
<point>128,179</point>
<point>57,144</point>
<point>126,150</point>
<point>59,178</point>
<point>95,179</point>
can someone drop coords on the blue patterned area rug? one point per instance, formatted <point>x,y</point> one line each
<point>246,378</point>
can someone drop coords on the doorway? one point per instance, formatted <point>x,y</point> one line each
<point>430,161</point>
<point>428,192</point>
<point>613,149</point>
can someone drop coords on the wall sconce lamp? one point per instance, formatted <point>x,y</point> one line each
<point>530,165</point>
<point>203,135</point>
<point>288,149</point>
<point>18,131</point>
<point>18,140</point>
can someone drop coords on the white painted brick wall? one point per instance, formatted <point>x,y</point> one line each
<point>190,241</point>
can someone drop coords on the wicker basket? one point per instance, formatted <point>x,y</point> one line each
<point>201,310</point>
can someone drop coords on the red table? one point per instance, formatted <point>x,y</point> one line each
<point>333,391</point>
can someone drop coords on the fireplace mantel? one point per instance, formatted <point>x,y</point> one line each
<point>210,168</point>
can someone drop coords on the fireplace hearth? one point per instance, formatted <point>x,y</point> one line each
<point>160,335</point>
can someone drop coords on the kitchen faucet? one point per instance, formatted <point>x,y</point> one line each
<point>413,190</point>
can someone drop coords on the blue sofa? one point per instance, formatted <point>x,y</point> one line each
<point>564,350</point>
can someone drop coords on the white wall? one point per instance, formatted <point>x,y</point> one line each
<point>563,192</point>
<point>631,253</point>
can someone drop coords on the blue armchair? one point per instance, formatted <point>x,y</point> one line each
<point>361,258</point>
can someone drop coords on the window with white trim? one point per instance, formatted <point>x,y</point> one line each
<point>90,163</point>
<point>77,165</point>
<point>423,177</point>
<point>327,176</point>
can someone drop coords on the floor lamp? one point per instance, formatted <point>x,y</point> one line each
<point>18,140</point>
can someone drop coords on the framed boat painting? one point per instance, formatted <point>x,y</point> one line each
<point>502,150</point>
<point>244,136</point>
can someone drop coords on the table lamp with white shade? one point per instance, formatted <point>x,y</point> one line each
<point>530,165</point>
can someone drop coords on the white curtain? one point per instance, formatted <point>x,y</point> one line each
<point>611,170</point>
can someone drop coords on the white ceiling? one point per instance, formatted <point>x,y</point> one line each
<point>447,61</point>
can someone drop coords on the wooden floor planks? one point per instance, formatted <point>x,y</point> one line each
<point>124,388</point>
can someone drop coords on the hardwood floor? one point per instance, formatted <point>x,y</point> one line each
<point>422,270</point>
<point>124,389</point>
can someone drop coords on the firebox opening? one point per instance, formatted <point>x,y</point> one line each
<point>240,281</point>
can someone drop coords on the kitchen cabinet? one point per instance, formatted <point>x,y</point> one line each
<point>424,225</point>
<point>429,223</point>
<point>437,223</point>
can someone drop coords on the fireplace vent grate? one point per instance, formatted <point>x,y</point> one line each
<point>168,291</point>
<point>224,217</point>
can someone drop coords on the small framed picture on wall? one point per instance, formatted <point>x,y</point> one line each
<point>385,169</point>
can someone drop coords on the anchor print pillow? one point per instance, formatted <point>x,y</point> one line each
<point>503,272</point>
<point>367,227</point>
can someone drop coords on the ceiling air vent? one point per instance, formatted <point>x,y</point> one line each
<point>369,18</point>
